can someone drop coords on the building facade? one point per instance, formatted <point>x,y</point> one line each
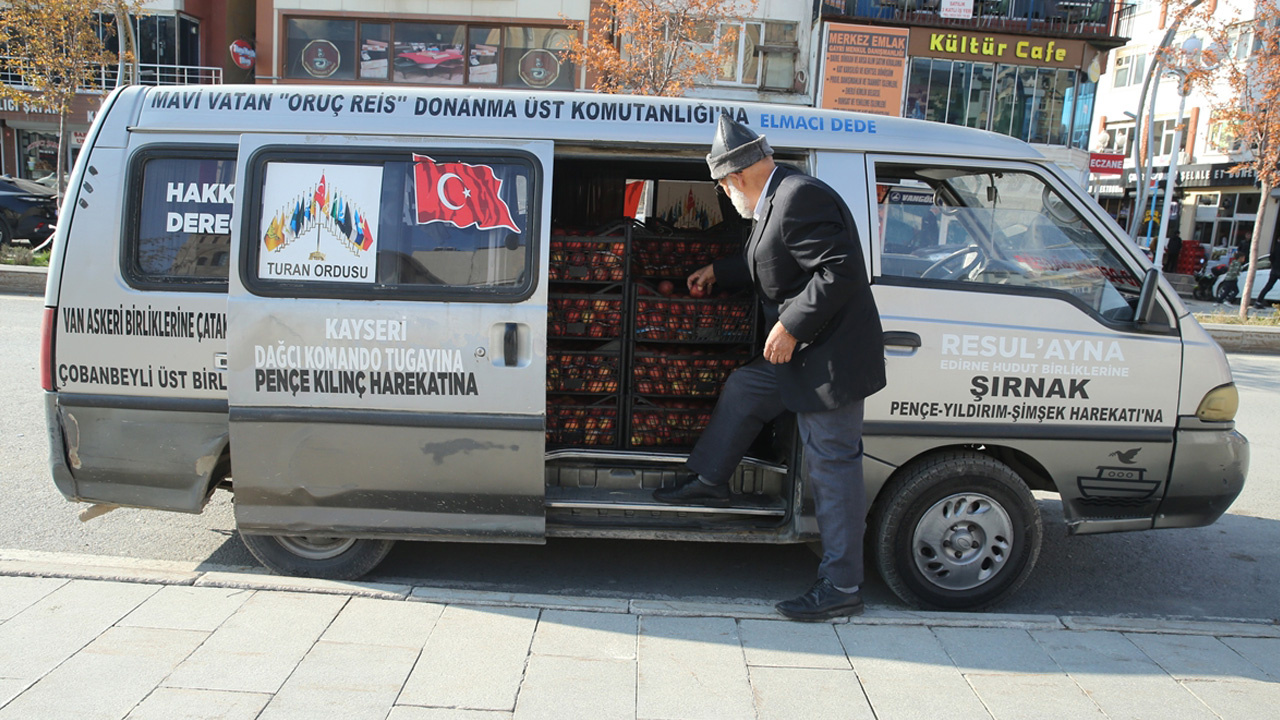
<point>1212,205</point>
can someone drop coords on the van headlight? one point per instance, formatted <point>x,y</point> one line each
<point>1219,404</point>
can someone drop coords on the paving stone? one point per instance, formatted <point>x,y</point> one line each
<point>1120,678</point>
<point>691,608</point>
<point>781,643</point>
<point>785,693</point>
<point>341,680</point>
<point>260,644</point>
<point>1196,657</point>
<point>1033,697</point>
<point>409,712</point>
<point>187,704</point>
<point>10,687</point>
<point>568,688</point>
<point>1237,699</point>
<point>187,608</point>
<point>1012,621</point>
<point>34,563</point>
<point>585,635</point>
<point>993,650</point>
<point>1163,626</point>
<point>890,662</point>
<point>19,593</point>
<point>474,659</point>
<point>48,632</point>
<point>691,668</point>
<point>108,677</point>
<point>1265,653</point>
<point>388,623</point>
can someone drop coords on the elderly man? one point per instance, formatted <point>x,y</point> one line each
<point>824,354</point>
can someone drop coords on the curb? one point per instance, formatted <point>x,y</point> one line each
<point>23,279</point>
<point>1245,338</point>
<point>32,563</point>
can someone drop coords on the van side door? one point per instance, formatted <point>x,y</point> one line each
<point>387,323</point>
<point>1008,309</point>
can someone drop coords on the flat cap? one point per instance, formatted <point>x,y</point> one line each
<point>735,147</point>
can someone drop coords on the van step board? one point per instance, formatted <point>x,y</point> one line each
<point>642,499</point>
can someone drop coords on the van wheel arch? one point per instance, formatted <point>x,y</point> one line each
<point>956,529</point>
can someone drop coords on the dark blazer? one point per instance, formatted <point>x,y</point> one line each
<point>806,264</point>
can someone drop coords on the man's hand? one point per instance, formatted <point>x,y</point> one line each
<point>779,346</point>
<point>703,278</point>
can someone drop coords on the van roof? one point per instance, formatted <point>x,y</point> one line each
<point>577,118</point>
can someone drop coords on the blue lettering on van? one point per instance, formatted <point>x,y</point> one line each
<point>853,126</point>
<point>176,100</point>
<point>464,107</point>
<point>791,122</point>
<point>239,101</point>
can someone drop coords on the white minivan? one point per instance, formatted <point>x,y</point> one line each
<point>435,314</point>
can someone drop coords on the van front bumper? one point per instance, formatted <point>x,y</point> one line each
<point>1207,474</point>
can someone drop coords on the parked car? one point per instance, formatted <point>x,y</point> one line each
<point>28,210</point>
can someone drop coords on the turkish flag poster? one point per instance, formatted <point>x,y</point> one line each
<point>460,194</point>
<point>320,222</point>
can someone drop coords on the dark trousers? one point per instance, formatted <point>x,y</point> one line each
<point>1271,280</point>
<point>832,453</point>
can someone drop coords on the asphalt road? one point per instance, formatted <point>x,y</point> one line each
<point>1230,569</point>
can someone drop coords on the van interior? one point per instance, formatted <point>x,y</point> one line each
<point>635,362</point>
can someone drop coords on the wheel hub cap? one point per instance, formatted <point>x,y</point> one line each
<point>962,541</point>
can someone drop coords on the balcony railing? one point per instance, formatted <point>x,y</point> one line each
<point>1092,19</point>
<point>149,74</point>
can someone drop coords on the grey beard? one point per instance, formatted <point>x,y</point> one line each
<point>739,200</point>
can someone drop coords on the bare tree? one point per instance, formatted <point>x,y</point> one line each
<point>657,47</point>
<point>1243,84</point>
<point>53,47</point>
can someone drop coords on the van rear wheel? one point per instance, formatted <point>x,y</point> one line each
<point>317,556</point>
<point>958,531</point>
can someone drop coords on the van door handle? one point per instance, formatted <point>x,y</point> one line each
<point>511,345</point>
<point>902,338</point>
<point>219,361</point>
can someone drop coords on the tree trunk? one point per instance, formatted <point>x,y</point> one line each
<point>62,152</point>
<point>1246,294</point>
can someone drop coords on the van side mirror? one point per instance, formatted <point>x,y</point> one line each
<point>1146,297</point>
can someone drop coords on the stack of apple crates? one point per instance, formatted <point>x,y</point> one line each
<point>633,361</point>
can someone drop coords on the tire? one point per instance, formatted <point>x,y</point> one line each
<point>331,558</point>
<point>963,504</point>
<point>6,234</point>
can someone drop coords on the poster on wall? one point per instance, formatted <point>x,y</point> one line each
<point>863,68</point>
<point>319,222</point>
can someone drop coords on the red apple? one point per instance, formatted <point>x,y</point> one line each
<point>698,291</point>
<point>666,288</point>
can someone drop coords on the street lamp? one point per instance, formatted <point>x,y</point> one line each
<point>1191,47</point>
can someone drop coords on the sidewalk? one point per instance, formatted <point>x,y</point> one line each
<point>92,637</point>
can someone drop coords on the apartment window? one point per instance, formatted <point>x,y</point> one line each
<point>1164,131</point>
<point>1120,139</point>
<point>428,53</point>
<point>1130,70</point>
<point>1240,42</point>
<point>763,54</point>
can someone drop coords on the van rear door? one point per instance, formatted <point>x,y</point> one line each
<point>387,323</point>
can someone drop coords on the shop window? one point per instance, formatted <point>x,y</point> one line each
<point>1130,70</point>
<point>320,49</point>
<point>1005,228</point>
<point>180,228</point>
<point>428,53</point>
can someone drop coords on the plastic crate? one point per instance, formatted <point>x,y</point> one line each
<point>666,424</point>
<point>581,425</point>
<point>690,319</point>
<point>584,316</point>
<point>587,258</point>
<point>671,372</point>
<point>589,372</point>
<point>679,255</point>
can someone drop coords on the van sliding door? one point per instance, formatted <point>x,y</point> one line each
<point>387,330</point>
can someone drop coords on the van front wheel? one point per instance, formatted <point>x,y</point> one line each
<point>958,531</point>
<point>331,558</point>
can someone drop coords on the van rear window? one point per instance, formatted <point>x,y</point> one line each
<point>183,219</point>
<point>417,224</point>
